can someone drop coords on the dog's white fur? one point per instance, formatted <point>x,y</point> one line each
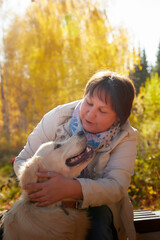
<point>25,221</point>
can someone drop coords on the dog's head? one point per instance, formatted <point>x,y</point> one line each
<point>68,158</point>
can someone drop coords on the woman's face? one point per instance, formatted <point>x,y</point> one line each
<point>96,115</point>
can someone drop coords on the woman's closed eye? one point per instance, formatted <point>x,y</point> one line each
<point>89,103</point>
<point>102,111</point>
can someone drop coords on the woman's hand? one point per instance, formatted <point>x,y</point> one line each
<point>53,190</point>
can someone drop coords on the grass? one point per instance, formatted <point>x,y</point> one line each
<point>9,187</point>
<point>5,172</point>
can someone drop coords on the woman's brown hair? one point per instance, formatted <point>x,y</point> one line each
<point>120,88</point>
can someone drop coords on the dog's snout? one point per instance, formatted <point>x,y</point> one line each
<point>80,134</point>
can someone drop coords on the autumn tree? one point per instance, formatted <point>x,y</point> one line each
<point>52,51</point>
<point>156,68</point>
<point>140,72</point>
<point>5,134</point>
<point>146,118</point>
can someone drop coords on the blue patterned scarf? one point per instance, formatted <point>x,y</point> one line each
<point>95,140</point>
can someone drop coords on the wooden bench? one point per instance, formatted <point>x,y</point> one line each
<point>147,224</point>
<point>146,221</point>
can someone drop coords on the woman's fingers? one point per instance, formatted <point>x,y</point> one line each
<point>44,174</point>
<point>37,186</point>
<point>47,174</point>
<point>39,199</point>
<point>43,204</point>
<point>54,189</point>
<point>33,186</point>
<point>36,195</point>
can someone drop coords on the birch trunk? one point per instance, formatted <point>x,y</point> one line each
<point>5,110</point>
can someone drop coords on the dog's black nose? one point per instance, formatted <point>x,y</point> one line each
<point>80,134</point>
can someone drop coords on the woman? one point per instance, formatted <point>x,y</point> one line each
<point>102,187</point>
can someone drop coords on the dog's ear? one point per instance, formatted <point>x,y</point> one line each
<point>28,170</point>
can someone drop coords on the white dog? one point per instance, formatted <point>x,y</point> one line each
<point>26,221</point>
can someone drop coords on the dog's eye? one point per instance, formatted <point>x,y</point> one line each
<point>57,146</point>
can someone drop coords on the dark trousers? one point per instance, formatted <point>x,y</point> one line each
<point>1,227</point>
<point>1,232</point>
<point>102,227</point>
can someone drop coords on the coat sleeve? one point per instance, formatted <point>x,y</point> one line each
<point>43,132</point>
<point>116,175</point>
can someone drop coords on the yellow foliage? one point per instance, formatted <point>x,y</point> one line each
<point>150,190</point>
<point>51,53</point>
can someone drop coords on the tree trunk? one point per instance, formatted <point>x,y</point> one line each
<point>5,110</point>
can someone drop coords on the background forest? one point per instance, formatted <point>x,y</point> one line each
<point>47,56</point>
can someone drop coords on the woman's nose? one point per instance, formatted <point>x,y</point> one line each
<point>91,113</point>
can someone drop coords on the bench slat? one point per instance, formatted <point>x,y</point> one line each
<point>146,221</point>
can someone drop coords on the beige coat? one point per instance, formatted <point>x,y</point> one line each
<point>110,170</point>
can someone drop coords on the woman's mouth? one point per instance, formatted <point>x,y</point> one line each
<point>88,122</point>
<point>87,125</point>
